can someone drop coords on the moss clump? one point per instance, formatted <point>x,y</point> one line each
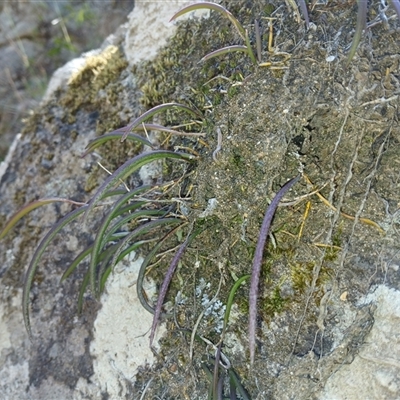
<point>100,72</point>
<point>274,303</point>
<point>302,274</point>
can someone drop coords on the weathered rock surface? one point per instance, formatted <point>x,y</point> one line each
<point>38,37</point>
<point>329,307</point>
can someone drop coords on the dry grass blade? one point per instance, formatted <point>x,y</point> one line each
<point>242,32</point>
<point>250,50</point>
<point>257,261</point>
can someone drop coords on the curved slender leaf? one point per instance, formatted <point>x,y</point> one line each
<point>168,276</point>
<point>135,233</point>
<point>129,168</point>
<point>225,50</point>
<point>304,11</point>
<point>250,50</point>
<point>257,261</point>
<point>164,286</point>
<point>30,207</point>
<point>30,273</point>
<point>396,6</point>
<point>98,242</point>
<point>145,263</point>
<point>117,134</point>
<point>82,255</point>
<point>231,297</point>
<point>123,221</point>
<point>36,258</point>
<point>103,274</point>
<point>236,382</point>
<point>361,25</point>
<point>160,128</point>
<point>78,259</point>
<point>85,283</point>
<point>130,217</point>
<point>105,258</point>
<point>215,7</point>
<point>155,110</point>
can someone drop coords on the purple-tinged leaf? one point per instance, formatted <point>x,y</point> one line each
<point>164,287</point>
<point>145,263</point>
<point>304,11</point>
<point>258,40</point>
<point>117,134</point>
<point>257,261</point>
<point>155,110</point>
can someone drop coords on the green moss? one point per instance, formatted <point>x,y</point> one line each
<point>331,253</point>
<point>92,181</point>
<point>238,161</point>
<point>274,303</point>
<point>176,75</point>
<point>99,73</point>
<point>268,9</point>
<point>301,275</point>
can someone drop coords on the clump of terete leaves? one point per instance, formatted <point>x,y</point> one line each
<point>139,210</point>
<point>135,208</point>
<point>112,242</point>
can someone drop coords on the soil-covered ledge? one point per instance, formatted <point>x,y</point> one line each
<point>329,299</point>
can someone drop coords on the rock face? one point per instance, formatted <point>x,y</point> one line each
<point>39,369</point>
<point>35,39</point>
<point>330,294</point>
